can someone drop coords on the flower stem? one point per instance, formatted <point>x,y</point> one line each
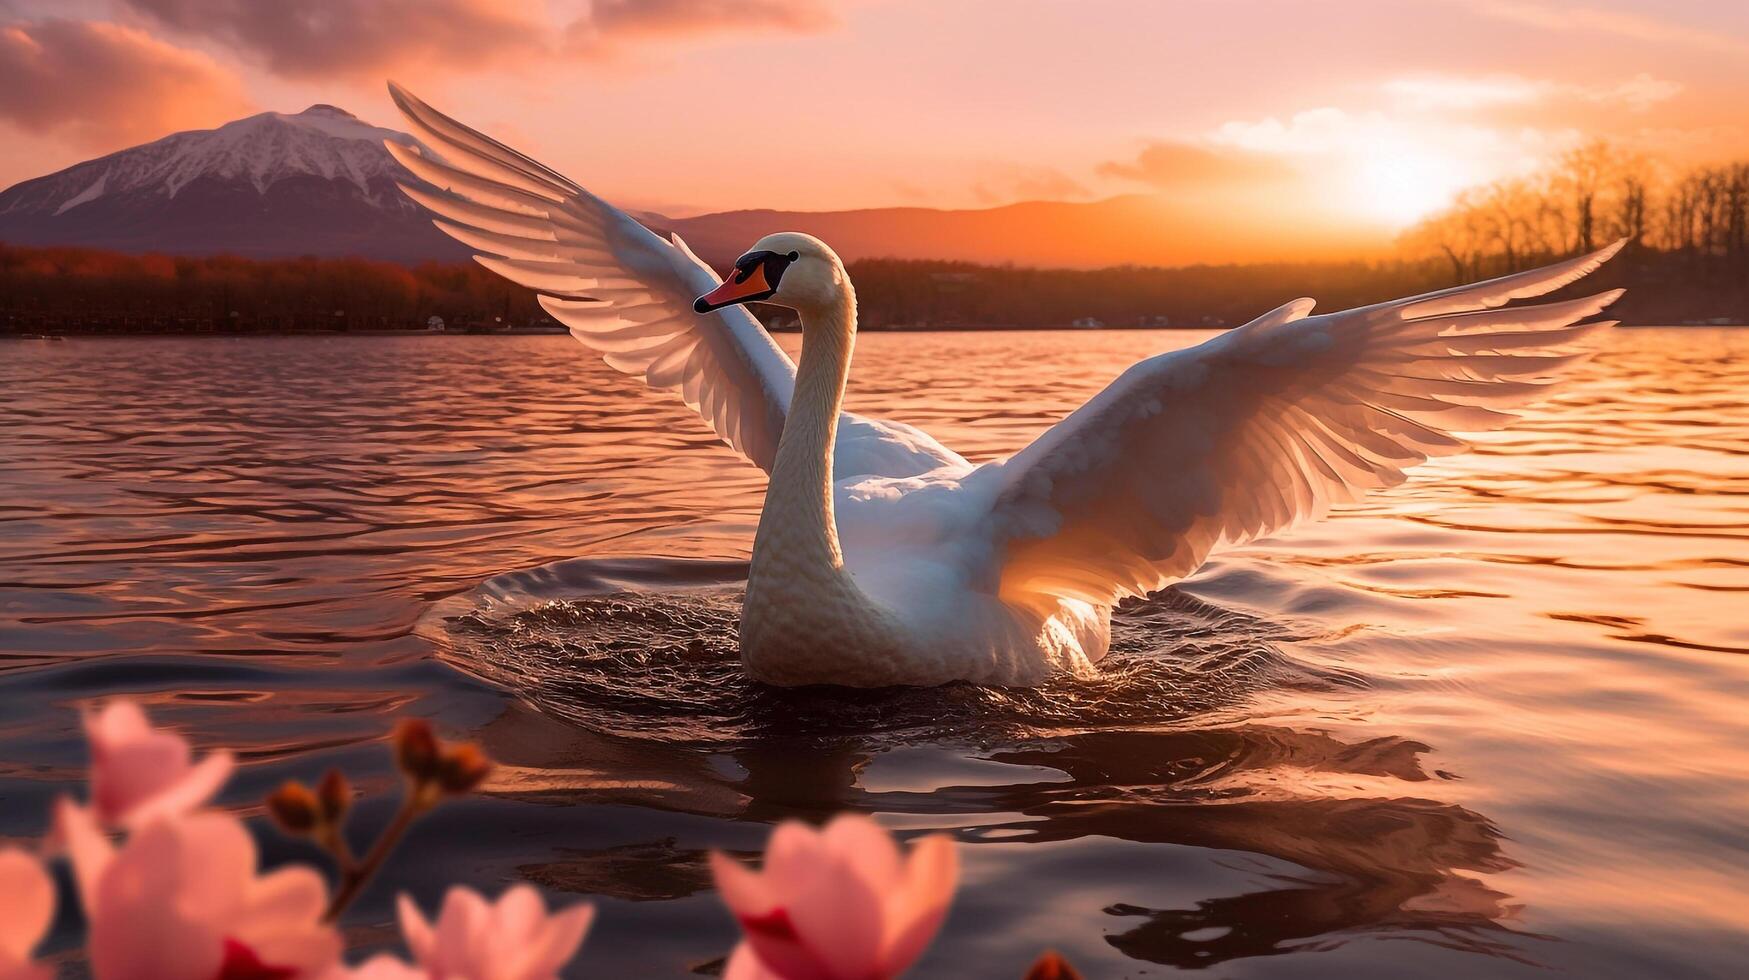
<point>332,838</point>
<point>355,875</point>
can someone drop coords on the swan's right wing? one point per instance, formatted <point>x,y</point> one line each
<point>621,289</point>
<point>1265,425</point>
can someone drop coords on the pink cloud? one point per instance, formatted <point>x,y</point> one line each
<point>104,85</point>
<point>626,18</point>
<point>315,38</point>
<point>1622,23</point>
<point>319,38</point>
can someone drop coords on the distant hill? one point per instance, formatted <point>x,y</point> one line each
<point>320,183</point>
<point>1136,229</point>
<point>270,185</point>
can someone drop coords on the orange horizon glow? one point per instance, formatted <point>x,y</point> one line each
<point>1334,126</point>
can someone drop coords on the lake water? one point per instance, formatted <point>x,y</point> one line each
<point>1488,723</point>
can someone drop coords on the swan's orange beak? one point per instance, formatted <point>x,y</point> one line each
<point>742,286</point>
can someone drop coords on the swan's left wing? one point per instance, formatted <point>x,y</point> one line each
<point>621,289</point>
<point>1265,425</point>
<point>627,293</point>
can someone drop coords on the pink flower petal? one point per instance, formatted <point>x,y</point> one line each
<point>75,832</point>
<point>511,939</point>
<point>556,942</point>
<point>382,967</point>
<point>744,964</point>
<point>282,921</point>
<point>241,963</point>
<point>26,971</point>
<point>511,926</point>
<point>840,920</point>
<point>867,847</point>
<point>130,760</point>
<point>139,929</point>
<point>27,906</point>
<point>931,872</point>
<point>464,924</point>
<point>792,859</point>
<point>216,863</point>
<point>839,904</point>
<point>421,940</point>
<point>773,938</point>
<point>181,899</point>
<point>140,773</point>
<point>745,893</point>
<point>191,790</point>
<point>750,897</point>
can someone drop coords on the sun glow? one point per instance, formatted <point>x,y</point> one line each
<point>1398,185</point>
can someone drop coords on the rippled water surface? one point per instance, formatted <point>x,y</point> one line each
<point>1493,722</point>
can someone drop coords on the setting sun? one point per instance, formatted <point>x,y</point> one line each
<point>1399,184</point>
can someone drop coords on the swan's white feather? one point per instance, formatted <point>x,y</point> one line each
<point>1264,426</point>
<point>627,293</point>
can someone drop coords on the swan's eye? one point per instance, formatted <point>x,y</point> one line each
<point>794,256</point>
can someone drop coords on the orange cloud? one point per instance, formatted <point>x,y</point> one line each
<point>105,85</point>
<point>318,38</point>
<point>1006,183</point>
<point>1171,165</point>
<point>629,18</point>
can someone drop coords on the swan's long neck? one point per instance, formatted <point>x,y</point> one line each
<point>798,520</point>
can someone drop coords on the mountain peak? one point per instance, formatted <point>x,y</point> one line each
<point>317,181</point>
<point>324,109</point>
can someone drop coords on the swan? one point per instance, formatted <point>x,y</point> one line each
<point>884,558</point>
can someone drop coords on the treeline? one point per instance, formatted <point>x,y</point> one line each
<point>902,293</point>
<point>72,289</point>
<point>1688,232</point>
<point>1664,287</point>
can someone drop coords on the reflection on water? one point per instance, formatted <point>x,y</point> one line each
<point>1495,712</point>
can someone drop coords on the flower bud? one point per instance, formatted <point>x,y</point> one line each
<point>462,768</point>
<point>295,808</point>
<point>416,750</point>
<point>1052,966</point>
<point>335,794</point>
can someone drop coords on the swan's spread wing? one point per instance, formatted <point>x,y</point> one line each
<point>627,293</point>
<point>621,289</point>
<point>1265,425</point>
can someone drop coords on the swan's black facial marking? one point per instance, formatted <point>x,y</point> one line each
<point>774,264</point>
<point>756,277</point>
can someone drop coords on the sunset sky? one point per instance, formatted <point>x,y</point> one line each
<point>1372,110</point>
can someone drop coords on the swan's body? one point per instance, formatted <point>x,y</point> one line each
<point>860,580</point>
<point>882,557</point>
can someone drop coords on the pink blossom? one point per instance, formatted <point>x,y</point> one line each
<point>27,906</point>
<point>744,964</point>
<point>139,772</point>
<point>840,903</point>
<point>181,899</point>
<point>474,939</point>
<point>384,967</point>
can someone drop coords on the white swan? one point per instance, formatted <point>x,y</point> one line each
<point>882,557</point>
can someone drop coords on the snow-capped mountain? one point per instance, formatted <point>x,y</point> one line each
<point>315,183</point>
